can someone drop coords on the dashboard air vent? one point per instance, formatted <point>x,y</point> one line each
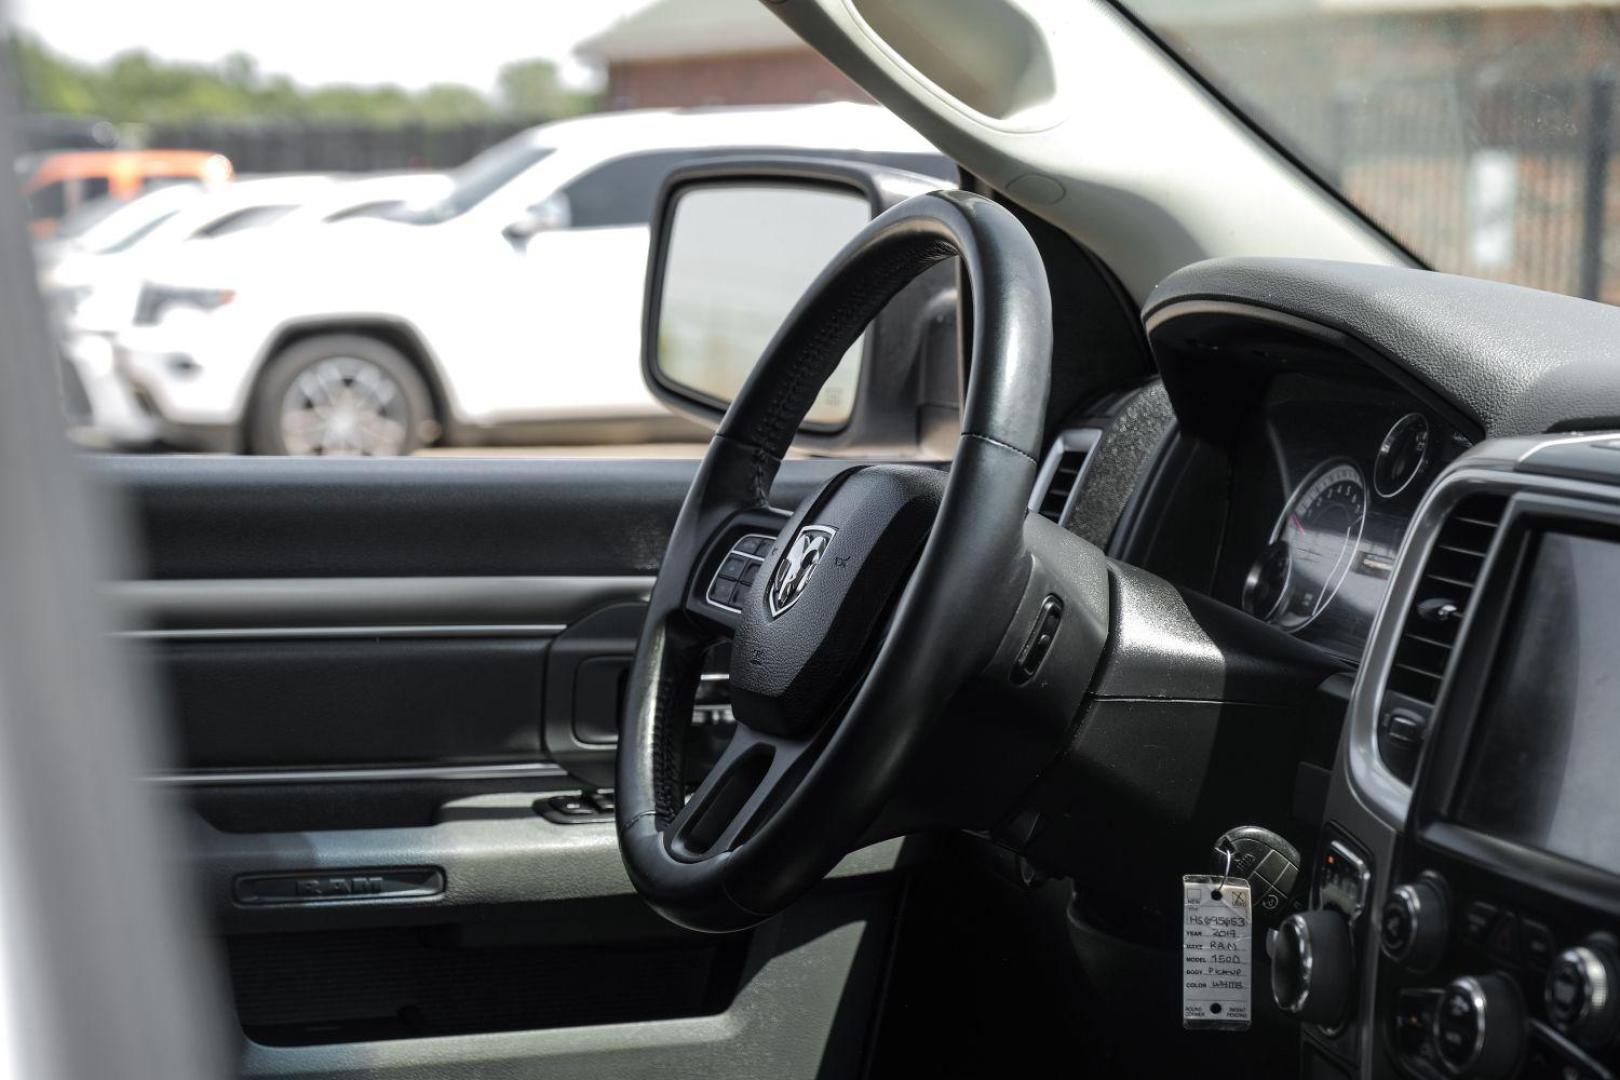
<point>1060,473</point>
<point>1429,631</point>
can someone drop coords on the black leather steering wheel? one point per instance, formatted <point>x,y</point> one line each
<point>868,608</point>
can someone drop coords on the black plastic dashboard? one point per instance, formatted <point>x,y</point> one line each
<point>1464,909</point>
<point>1301,456</point>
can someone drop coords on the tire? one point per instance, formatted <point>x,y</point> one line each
<point>340,394</point>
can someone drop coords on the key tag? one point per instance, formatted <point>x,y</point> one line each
<point>1217,951</point>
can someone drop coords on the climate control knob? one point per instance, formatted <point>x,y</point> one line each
<point>1413,928</point>
<point>1479,1027</point>
<point>1582,995</point>
<point>1313,966</point>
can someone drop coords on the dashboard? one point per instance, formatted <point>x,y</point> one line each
<point>1420,476</point>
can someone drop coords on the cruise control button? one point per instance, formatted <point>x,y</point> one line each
<point>752,545</point>
<point>749,572</point>
<point>732,568</point>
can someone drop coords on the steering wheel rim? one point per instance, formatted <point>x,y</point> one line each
<point>808,794</point>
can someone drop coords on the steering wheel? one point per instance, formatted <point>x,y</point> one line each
<point>852,621</point>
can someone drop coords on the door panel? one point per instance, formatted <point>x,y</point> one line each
<point>306,703</point>
<point>382,672</point>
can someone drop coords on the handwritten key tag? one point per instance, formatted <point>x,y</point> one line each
<point>1217,947</point>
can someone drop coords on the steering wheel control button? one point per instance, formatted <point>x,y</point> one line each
<point>1040,640</point>
<point>1582,998</point>
<point>1479,1026</point>
<point>1413,929</point>
<point>1313,967</point>
<point>738,570</point>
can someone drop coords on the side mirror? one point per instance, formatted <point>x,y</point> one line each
<point>552,212</point>
<point>735,242</point>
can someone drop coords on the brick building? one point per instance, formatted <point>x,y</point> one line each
<point>710,52</point>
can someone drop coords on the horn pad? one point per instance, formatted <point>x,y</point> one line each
<point>831,579</point>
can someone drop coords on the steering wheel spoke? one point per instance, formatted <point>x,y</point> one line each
<point>754,774</point>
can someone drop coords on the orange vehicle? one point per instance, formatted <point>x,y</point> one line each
<point>64,180</point>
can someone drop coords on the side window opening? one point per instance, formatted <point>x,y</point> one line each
<point>621,192</point>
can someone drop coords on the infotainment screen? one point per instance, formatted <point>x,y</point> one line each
<point>1543,769</point>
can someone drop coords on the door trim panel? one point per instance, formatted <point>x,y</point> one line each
<point>383,606</point>
<point>504,771</point>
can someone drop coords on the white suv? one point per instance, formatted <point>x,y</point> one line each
<point>508,311</point>
<point>93,280</point>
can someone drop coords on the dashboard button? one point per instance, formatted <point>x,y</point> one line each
<point>1537,942</point>
<point>1504,940</point>
<point>1478,920</point>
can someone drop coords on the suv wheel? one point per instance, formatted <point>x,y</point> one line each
<point>340,395</point>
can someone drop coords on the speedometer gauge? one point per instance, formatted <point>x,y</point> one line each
<point>1312,547</point>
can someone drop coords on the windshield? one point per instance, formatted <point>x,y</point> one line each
<point>88,215</point>
<point>1478,135</point>
<point>478,179</point>
<point>106,221</point>
<point>137,236</point>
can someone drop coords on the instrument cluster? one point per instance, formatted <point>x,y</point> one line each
<point>1337,470</point>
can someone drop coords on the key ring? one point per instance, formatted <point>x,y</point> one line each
<point>1226,875</point>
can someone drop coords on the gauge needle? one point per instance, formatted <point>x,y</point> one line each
<point>1293,519</point>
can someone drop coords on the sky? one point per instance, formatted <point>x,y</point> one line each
<point>409,42</point>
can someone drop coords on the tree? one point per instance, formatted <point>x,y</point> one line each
<point>449,103</point>
<point>531,90</point>
<point>138,87</point>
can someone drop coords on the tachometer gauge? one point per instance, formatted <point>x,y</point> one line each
<point>1267,584</point>
<point>1402,455</point>
<point>1319,530</point>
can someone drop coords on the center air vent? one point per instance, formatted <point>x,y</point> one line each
<point>1059,478</point>
<point>1430,626</point>
<point>1429,631</point>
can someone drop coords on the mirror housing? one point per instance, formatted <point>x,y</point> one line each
<point>907,390</point>
<point>552,212</point>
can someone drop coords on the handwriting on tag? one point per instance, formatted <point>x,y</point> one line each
<point>1217,951</point>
